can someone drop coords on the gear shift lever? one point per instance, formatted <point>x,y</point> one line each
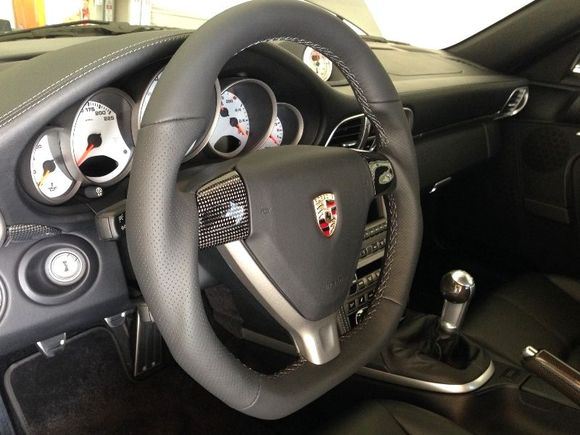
<point>457,288</point>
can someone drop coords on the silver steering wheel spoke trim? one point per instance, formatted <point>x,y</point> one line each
<point>317,341</point>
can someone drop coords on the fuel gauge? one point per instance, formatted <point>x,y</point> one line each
<point>51,182</point>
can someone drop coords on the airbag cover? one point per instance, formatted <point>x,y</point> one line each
<point>313,270</point>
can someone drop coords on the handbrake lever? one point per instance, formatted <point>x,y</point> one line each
<point>554,371</point>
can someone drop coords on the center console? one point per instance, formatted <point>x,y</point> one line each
<point>366,278</point>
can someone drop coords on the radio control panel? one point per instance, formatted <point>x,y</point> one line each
<point>364,285</point>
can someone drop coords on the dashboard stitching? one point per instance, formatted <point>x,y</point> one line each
<point>120,53</point>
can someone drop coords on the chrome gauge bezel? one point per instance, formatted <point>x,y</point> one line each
<point>57,137</point>
<point>292,123</point>
<point>260,103</point>
<point>198,144</point>
<point>125,126</point>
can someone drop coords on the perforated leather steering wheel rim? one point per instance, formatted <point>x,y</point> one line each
<point>162,233</point>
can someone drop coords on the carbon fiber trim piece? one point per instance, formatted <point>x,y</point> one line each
<point>29,232</point>
<point>223,211</point>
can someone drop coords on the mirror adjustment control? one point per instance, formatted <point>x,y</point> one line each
<point>65,266</point>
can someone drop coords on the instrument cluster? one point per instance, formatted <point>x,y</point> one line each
<point>93,144</point>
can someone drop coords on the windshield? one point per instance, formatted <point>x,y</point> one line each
<point>424,23</point>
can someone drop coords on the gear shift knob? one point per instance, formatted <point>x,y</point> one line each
<point>457,287</point>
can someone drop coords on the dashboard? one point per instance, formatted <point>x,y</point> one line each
<point>69,125</point>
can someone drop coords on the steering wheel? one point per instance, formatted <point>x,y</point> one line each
<point>288,221</point>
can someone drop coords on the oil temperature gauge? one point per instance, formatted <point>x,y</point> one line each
<point>51,182</point>
<point>318,63</point>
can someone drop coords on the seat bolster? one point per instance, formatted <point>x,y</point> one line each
<point>533,309</point>
<point>569,285</point>
<point>393,418</point>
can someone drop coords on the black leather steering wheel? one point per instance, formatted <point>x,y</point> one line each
<point>259,211</point>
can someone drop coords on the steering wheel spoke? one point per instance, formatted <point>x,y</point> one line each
<point>223,211</point>
<point>317,341</point>
<point>289,221</point>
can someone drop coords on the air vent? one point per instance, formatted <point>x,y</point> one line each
<point>515,103</point>
<point>358,132</point>
<point>348,133</point>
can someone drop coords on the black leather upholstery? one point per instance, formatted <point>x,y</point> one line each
<point>393,418</point>
<point>542,311</point>
<point>162,239</point>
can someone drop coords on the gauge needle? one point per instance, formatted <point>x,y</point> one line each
<point>93,141</point>
<point>273,139</point>
<point>234,123</point>
<point>241,130</point>
<point>48,166</point>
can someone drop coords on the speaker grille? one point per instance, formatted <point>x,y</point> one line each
<point>546,149</point>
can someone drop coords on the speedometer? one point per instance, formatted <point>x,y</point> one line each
<point>101,147</point>
<point>198,144</point>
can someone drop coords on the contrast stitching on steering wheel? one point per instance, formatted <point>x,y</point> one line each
<point>392,218</point>
<point>387,263</point>
<point>350,77</point>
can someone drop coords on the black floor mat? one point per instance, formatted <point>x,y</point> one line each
<point>85,389</point>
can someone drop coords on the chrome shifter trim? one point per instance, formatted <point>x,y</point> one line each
<point>430,386</point>
<point>317,341</point>
<point>380,375</point>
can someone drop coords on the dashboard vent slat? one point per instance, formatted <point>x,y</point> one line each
<point>515,102</point>
<point>348,133</point>
<point>358,132</point>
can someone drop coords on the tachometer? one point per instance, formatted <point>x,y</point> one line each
<point>197,145</point>
<point>318,63</point>
<point>101,148</point>
<point>52,182</point>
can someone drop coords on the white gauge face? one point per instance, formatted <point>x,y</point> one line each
<point>233,126</point>
<point>50,179</point>
<point>98,147</point>
<point>318,63</point>
<point>276,135</point>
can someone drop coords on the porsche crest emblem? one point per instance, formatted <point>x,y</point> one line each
<point>326,213</point>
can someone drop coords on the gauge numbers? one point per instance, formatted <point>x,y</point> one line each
<point>101,140</point>
<point>288,127</point>
<point>276,136</point>
<point>233,126</point>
